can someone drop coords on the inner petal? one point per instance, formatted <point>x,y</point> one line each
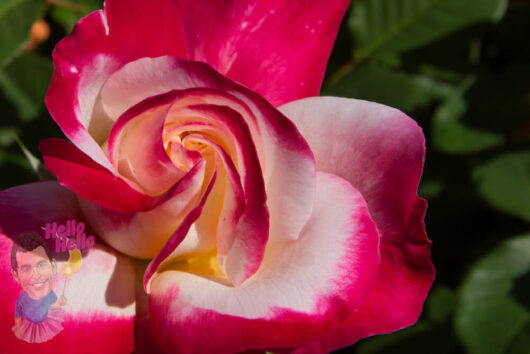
<point>136,148</point>
<point>234,215</point>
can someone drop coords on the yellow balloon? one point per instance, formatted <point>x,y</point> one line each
<point>72,265</point>
<point>75,259</point>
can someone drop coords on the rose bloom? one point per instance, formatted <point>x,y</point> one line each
<point>269,219</point>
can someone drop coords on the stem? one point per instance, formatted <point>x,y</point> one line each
<point>342,71</point>
<point>64,286</point>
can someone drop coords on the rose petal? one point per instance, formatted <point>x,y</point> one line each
<point>380,151</point>
<point>137,150</point>
<point>253,44</point>
<point>100,44</point>
<point>142,234</point>
<point>230,192</point>
<point>29,207</point>
<point>90,180</point>
<point>302,290</point>
<point>285,159</point>
<point>241,255</point>
<point>165,255</point>
<point>258,43</point>
<point>242,243</point>
<point>126,30</point>
<point>100,296</point>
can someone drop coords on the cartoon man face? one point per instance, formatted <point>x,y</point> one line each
<point>35,272</point>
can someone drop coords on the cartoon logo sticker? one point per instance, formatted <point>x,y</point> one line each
<point>39,312</point>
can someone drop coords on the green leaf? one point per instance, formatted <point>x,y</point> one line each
<point>440,304</point>
<point>488,316</point>
<point>450,135</point>
<point>9,157</point>
<point>72,11</point>
<point>430,188</point>
<point>521,343</point>
<point>504,182</point>
<point>25,82</point>
<point>393,88</point>
<point>7,136</point>
<point>65,17</point>
<point>16,18</point>
<point>384,28</point>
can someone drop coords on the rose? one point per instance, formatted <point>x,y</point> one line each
<point>175,162</point>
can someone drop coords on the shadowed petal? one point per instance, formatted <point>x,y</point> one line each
<point>303,289</point>
<point>380,151</point>
<point>81,174</point>
<point>100,295</point>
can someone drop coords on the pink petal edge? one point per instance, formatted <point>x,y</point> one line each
<point>279,145</point>
<point>302,291</point>
<point>258,43</point>
<point>380,151</point>
<point>78,172</point>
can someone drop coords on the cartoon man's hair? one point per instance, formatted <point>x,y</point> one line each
<point>27,242</point>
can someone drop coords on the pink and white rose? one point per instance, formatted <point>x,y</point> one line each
<point>272,219</point>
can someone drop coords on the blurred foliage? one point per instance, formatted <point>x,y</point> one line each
<point>461,68</point>
<point>16,18</point>
<point>24,82</point>
<point>504,181</point>
<point>493,305</point>
<point>69,13</point>
<point>386,28</point>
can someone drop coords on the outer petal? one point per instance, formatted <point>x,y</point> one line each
<point>302,290</point>
<point>90,180</point>
<point>285,159</point>
<point>250,41</point>
<point>142,234</point>
<point>101,43</point>
<point>257,43</point>
<point>380,151</point>
<point>100,296</point>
